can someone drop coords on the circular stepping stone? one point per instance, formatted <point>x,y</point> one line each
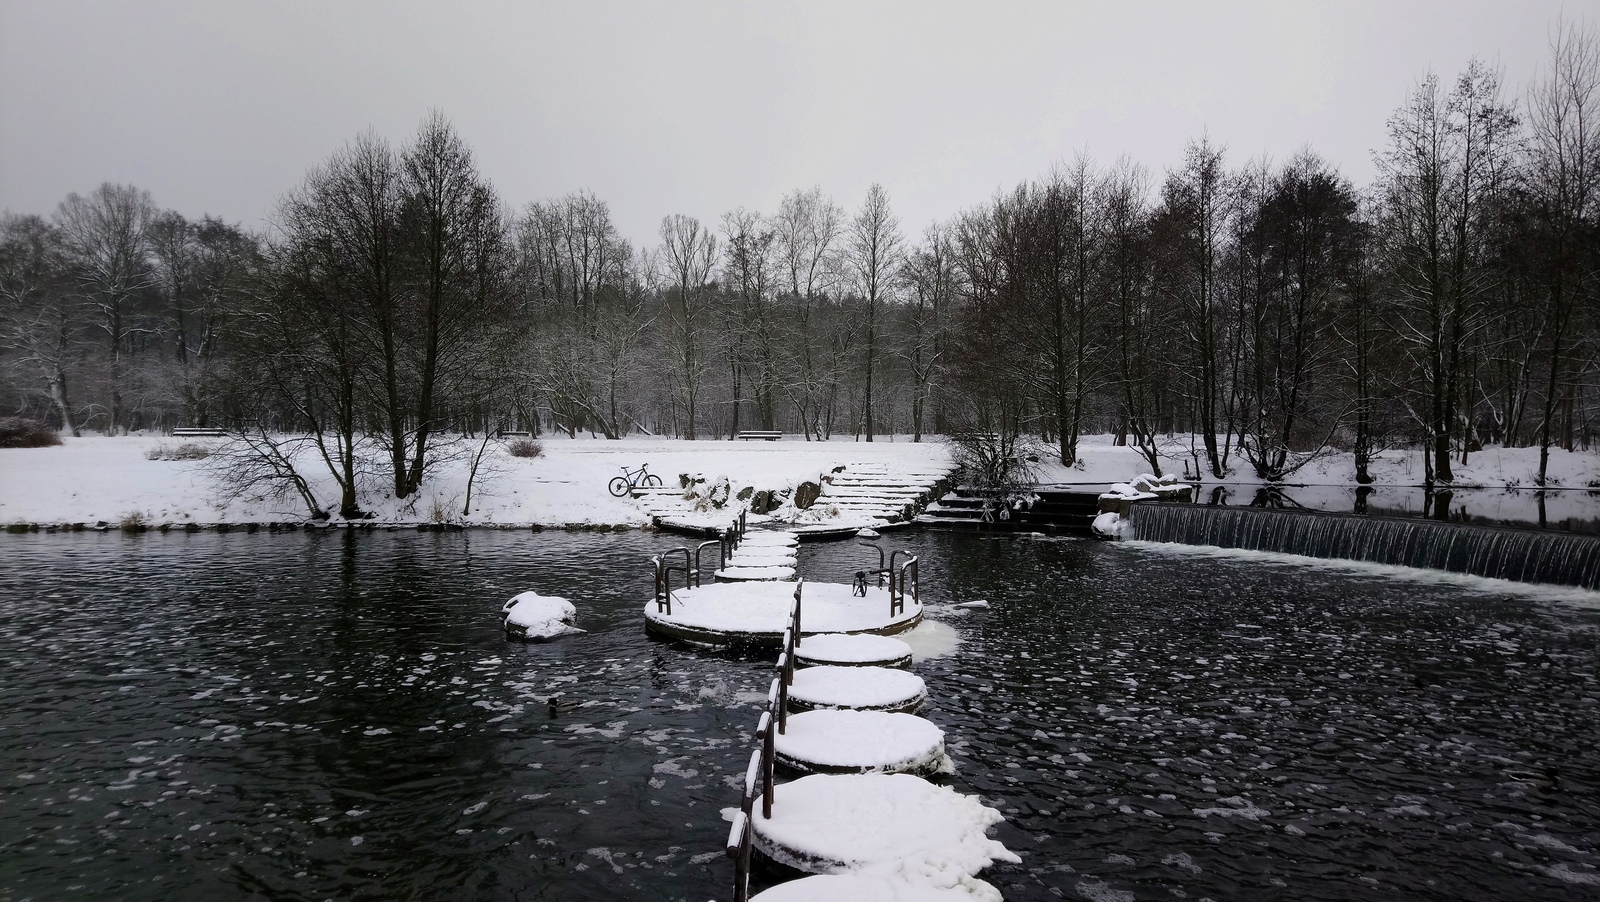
<point>875,888</point>
<point>847,650</point>
<point>858,688</point>
<point>896,823</point>
<point>759,559</point>
<point>755,573</point>
<point>843,741</point>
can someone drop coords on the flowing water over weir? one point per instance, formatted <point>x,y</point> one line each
<point>1515,554</point>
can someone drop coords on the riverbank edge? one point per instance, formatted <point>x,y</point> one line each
<point>17,528</point>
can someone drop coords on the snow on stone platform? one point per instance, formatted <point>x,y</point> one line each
<point>830,741</point>
<point>862,650</point>
<point>894,825</point>
<point>858,887</point>
<point>755,613</point>
<point>858,688</point>
<point>741,572</point>
<point>534,616</point>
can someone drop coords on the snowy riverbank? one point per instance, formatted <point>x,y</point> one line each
<point>108,480</point>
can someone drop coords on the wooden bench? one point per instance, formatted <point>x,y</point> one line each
<point>763,436</point>
<point>197,432</point>
<point>512,433</point>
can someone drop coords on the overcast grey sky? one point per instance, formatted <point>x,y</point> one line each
<point>220,107</point>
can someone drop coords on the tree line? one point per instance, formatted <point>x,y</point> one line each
<point>1263,311</point>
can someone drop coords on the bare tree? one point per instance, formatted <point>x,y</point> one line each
<point>1190,231</point>
<point>1441,178</point>
<point>1564,187</point>
<point>746,323</point>
<point>876,253</point>
<point>930,277</point>
<point>809,227</point>
<point>104,235</point>
<point>42,314</point>
<point>689,252</point>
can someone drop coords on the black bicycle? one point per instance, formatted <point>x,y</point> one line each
<point>631,479</point>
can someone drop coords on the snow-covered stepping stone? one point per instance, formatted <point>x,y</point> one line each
<point>876,888</point>
<point>537,617</point>
<point>847,650</point>
<point>756,613</point>
<point>763,557</point>
<point>859,688</point>
<point>769,540</point>
<point>885,823</point>
<point>735,572</point>
<point>842,741</point>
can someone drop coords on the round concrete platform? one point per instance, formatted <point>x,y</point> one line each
<point>856,688</point>
<point>756,613</point>
<point>888,823</point>
<point>875,888</point>
<point>861,650</point>
<point>860,742</point>
<point>749,573</point>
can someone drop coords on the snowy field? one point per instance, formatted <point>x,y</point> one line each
<point>98,479</point>
<point>1104,462</point>
<point>93,479</point>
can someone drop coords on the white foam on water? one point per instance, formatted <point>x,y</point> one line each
<point>1542,591</point>
<point>931,639</point>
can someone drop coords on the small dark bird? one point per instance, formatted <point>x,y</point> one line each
<point>559,705</point>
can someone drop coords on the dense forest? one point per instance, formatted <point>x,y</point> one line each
<point>1265,311</point>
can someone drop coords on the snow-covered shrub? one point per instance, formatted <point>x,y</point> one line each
<point>133,521</point>
<point>185,451</point>
<point>993,461</point>
<point>525,447</point>
<point>21,432</point>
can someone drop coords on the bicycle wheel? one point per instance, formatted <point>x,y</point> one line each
<point>618,486</point>
<point>652,480</point>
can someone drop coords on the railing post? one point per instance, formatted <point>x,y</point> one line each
<point>797,589</point>
<point>767,752</point>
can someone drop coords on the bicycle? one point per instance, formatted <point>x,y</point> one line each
<point>631,479</point>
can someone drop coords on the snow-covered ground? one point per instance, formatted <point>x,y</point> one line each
<point>1103,462</point>
<point>93,479</point>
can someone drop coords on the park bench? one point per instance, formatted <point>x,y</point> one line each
<point>197,432</point>
<point>753,435</point>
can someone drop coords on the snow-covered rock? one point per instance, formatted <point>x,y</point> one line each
<point>1110,525</point>
<point>866,532</point>
<point>534,616</point>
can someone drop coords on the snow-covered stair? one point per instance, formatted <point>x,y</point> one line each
<point>870,495</point>
<point>764,554</point>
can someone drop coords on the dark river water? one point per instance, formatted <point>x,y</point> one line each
<point>338,716</point>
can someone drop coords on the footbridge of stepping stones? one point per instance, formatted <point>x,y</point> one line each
<point>858,800</point>
<point>748,604</point>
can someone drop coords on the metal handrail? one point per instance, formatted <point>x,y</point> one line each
<point>763,760</point>
<point>722,555</point>
<point>897,586</point>
<point>664,571</point>
<point>881,568</point>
